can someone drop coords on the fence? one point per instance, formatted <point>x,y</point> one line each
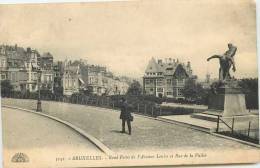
<point>137,104</point>
<point>241,127</point>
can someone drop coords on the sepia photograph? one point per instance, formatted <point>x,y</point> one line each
<point>129,83</point>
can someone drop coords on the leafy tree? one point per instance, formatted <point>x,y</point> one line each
<point>58,91</point>
<point>134,89</point>
<point>6,88</point>
<point>250,88</point>
<point>195,92</point>
<point>88,91</point>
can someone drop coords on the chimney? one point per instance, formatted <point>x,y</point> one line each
<point>29,49</point>
<point>159,61</point>
<point>165,60</point>
<point>188,64</point>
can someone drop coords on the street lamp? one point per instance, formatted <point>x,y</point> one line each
<point>39,103</point>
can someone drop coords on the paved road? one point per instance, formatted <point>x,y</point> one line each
<point>24,131</point>
<point>148,134</point>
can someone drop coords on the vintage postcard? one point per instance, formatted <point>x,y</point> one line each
<point>129,83</point>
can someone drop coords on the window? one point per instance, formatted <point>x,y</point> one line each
<point>2,63</point>
<point>66,83</point>
<point>147,81</point>
<point>151,89</point>
<point>159,81</point>
<point>3,77</point>
<point>13,76</point>
<point>33,86</point>
<point>169,81</point>
<point>180,90</point>
<point>159,89</point>
<point>181,81</point>
<point>169,93</point>
<point>45,78</point>
<point>174,82</point>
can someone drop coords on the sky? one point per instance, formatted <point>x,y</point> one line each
<point>124,36</point>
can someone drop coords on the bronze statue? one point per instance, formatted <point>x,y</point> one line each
<point>226,61</point>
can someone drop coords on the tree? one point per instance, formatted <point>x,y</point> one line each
<point>195,92</point>
<point>87,91</point>
<point>6,88</point>
<point>134,89</point>
<point>250,88</point>
<point>58,91</point>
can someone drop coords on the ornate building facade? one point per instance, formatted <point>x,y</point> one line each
<point>166,79</point>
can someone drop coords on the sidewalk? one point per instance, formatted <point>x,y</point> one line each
<point>188,121</point>
<point>191,106</point>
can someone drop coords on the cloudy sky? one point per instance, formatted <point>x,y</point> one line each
<point>125,35</point>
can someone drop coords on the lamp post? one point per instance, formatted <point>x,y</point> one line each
<point>39,103</point>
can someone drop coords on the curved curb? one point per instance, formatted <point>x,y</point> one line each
<point>91,138</point>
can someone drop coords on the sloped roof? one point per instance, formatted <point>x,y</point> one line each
<point>47,55</point>
<point>180,70</point>
<point>153,66</point>
<point>167,68</point>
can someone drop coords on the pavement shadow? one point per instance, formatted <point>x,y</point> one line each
<point>116,131</point>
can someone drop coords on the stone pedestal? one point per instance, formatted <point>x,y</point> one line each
<point>227,102</point>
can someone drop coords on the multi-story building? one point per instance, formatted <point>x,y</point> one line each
<point>32,67</point>
<point>47,73</point>
<point>96,79</point>
<point>27,70</point>
<point>166,79</point>
<point>13,66</point>
<point>3,63</point>
<point>58,70</point>
<point>72,79</point>
<point>104,82</point>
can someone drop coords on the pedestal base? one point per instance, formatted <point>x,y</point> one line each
<point>227,102</point>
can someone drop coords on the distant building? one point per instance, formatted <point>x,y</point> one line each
<point>32,67</point>
<point>58,70</point>
<point>103,82</point>
<point>96,79</point>
<point>166,79</point>
<point>27,70</point>
<point>3,63</point>
<point>206,83</point>
<point>47,73</point>
<point>13,67</point>
<point>72,79</point>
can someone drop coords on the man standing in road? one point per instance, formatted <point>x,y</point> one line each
<point>125,116</point>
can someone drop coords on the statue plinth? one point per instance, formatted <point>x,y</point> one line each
<point>227,101</point>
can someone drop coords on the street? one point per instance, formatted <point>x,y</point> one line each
<point>147,134</point>
<point>24,131</point>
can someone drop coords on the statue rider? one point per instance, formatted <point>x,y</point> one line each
<point>226,61</point>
